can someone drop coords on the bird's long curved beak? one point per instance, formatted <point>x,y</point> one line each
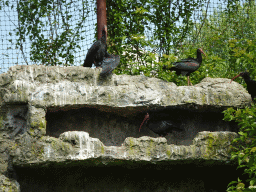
<point>145,119</point>
<point>201,50</point>
<point>235,77</point>
<point>203,53</point>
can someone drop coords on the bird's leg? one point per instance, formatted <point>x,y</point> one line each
<point>189,81</point>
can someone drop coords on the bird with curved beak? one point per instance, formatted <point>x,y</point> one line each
<point>187,66</point>
<point>160,123</point>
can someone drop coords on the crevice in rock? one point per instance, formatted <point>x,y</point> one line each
<point>112,129</point>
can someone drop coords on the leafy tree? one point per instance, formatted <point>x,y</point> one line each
<point>47,24</point>
<point>228,39</point>
<point>129,23</point>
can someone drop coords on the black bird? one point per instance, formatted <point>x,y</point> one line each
<point>158,124</point>
<point>98,51</point>
<point>109,64</point>
<point>251,84</point>
<point>187,66</point>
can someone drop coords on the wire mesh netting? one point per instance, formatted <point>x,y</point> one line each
<point>69,14</point>
<point>13,54</point>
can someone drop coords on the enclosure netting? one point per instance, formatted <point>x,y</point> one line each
<point>13,54</point>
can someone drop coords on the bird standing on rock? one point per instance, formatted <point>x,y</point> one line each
<point>251,84</point>
<point>187,66</point>
<point>160,125</point>
<point>98,51</point>
<point>98,55</point>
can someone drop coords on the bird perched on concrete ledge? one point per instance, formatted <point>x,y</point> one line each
<point>99,56</point>
<point>98,51</point>
<point>187,66</point>
<point>251,84</point>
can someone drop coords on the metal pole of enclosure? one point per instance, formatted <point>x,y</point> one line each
<point>101,16</point>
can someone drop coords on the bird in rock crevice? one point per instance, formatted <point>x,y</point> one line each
<point>160,123</point>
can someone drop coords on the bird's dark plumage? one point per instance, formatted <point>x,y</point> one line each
<point>251,84</point>
<point>160,124</point>
<point>187,66</point>
<point>98,51</point>
<point>109,64</point>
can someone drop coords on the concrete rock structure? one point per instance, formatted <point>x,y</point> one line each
<point>68,129</point>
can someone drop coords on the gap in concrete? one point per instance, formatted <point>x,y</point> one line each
<point>112,129</point>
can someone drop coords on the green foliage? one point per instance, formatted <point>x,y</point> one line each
<point>243,147</point>
<point>227,37</point>
<point>38,18</point>
<point>129,26</point>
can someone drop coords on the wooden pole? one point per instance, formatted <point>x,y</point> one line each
<point>101,16</point>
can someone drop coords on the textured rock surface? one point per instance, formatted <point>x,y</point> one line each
<point>41,105</point>
<point>77,162</point>
<point>7,184</point>
<point>55,86</point>
<point>75,145</point>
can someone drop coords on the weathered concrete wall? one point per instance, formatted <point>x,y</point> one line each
<point>54,87</point>
<point>39,105</point>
